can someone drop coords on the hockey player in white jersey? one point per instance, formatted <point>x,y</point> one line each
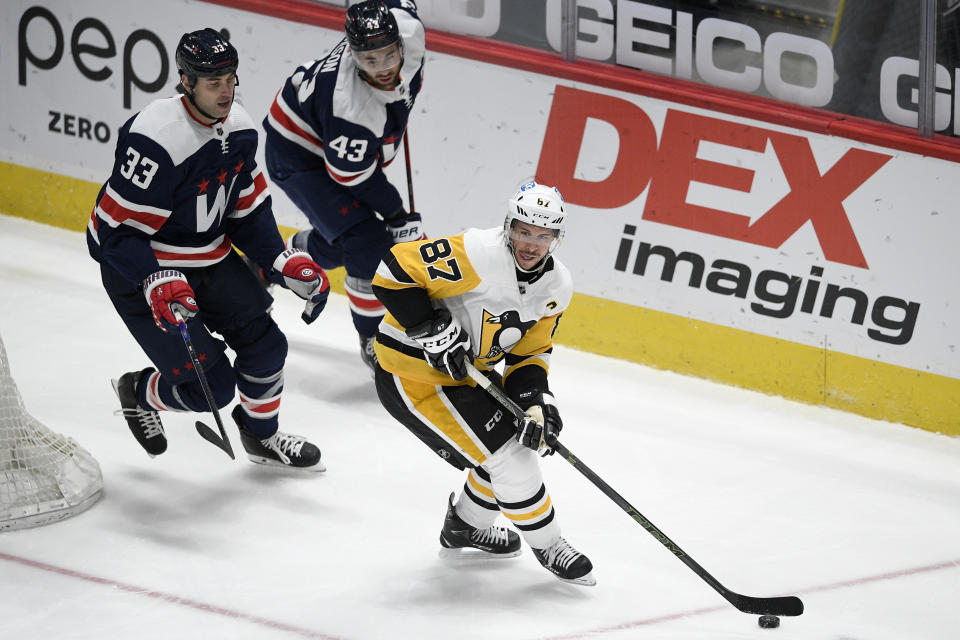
<point>335,125</point>
<point>491,296</point>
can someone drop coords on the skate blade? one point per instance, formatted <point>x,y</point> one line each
<point>469,554</point>
<point>269,462</point>
<point>583,581</point>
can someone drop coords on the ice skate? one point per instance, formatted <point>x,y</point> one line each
<point>367,354</point>
<point>494,541</point>
<point>144,424</point>
<point>566,563</point>
<point>280,449</point>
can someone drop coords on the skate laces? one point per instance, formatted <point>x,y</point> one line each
<point>490,535</point>
<point>561,554</point>
<point>285,445</point>
<point>149,420</point>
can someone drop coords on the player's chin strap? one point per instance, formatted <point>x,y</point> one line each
<point>537,269</point>
<point>516,263</point>
<point>189,95</point>
<point>198,108</point>
<point>366,78</point>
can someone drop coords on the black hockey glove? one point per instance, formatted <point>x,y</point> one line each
<point>445,344</point>
<point>541,426</point>
<point>404,227</point>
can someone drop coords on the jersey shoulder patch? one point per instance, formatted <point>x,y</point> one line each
<point>564,286</point>
<point>166,123</point>
<point>554,290</point>
<point>414,38</point>
<point>484,248</point>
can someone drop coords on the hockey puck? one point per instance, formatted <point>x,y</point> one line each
<point>769,622</point>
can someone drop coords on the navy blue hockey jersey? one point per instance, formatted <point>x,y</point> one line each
<point>181,193</point>
<point>326,113</point>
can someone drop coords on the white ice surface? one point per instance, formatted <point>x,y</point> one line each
<point>858,517</point>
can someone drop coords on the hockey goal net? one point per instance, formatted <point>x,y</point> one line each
<point>44,476</point>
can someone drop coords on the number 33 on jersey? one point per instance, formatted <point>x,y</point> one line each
<point>475,277</point>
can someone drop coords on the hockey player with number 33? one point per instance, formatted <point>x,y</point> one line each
<point>488,296</point>
<point>185,187</point>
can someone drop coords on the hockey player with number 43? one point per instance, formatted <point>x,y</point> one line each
<point>185,188</point>
<point>333,128</point>
<point>488,297</point>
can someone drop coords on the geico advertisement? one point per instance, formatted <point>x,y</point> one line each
<point>804,237</point>
<point>871,70</point>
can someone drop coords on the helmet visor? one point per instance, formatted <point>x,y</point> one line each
<point>524,233</point>
<point>379,60</point>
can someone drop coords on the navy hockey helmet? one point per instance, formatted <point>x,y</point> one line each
<point>205,54</point>
<point>370,25</point>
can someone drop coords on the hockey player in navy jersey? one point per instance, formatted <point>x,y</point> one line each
<point>486,296</point>
<point>185,187</point>
<point>334,126</point>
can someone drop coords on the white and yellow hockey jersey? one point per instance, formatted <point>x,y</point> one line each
<point>474,276</point>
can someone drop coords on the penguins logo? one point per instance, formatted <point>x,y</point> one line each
<point>501,332</point>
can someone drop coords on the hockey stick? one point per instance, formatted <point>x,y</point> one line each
<point>406,157</point>
<point>205,432</point>
<point>778,606</point>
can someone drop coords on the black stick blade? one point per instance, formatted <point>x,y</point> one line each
<point>207,434</point>
<point>781,606</point>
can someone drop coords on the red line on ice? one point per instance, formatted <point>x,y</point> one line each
<point>890,575</point>
<point>307,633</point>
<point>172,599</point>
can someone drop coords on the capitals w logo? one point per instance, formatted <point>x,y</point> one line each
<point>208,215</point>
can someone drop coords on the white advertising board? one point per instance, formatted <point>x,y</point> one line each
<point>801,236</point>
<point>809,238</point>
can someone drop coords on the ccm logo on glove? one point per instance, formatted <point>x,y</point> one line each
<point>446,346</point>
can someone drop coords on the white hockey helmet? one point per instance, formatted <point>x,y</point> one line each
<point>539,205</point>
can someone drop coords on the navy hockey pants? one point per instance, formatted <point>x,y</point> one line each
<point>233,303</point>
<point>345,233</point>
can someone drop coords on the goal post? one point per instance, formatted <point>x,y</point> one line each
<point>44,476</point>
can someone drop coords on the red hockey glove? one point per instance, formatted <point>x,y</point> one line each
<point>305,278</point>
<point>167,291</point>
